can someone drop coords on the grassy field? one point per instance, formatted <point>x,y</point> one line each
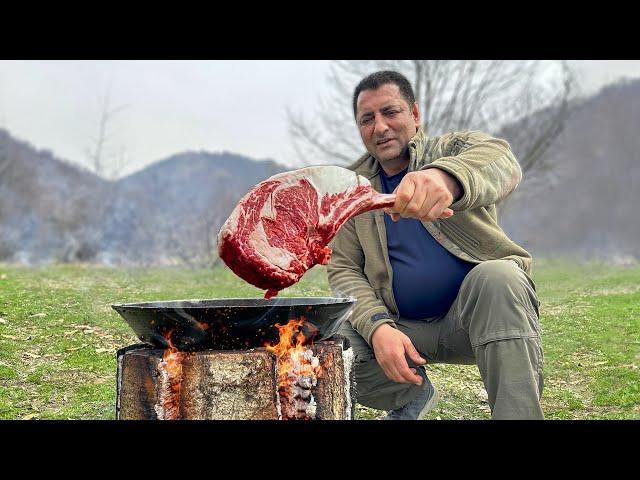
<point>58,337</point>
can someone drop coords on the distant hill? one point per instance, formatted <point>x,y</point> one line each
<point>169,213</point>
<point>587,206</point>
<point>45,203</point>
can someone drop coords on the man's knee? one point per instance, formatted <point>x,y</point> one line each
<point>364,362</point>
<point>499,274</point>
<point>498,302</point>
<point>503,280</point>
<point>359,345</point>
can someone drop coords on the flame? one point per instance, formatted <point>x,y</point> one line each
<point>202,326</point>
<point>287,333</point>
<point>170,369</point>
<point>167,336</point>
<point>172,358</point>
<point>298,371</point>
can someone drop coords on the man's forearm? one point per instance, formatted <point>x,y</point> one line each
<point>485,168</point>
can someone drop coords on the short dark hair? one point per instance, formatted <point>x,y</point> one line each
<point>377,79</point>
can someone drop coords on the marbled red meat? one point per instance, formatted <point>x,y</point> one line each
<point>282,227</point>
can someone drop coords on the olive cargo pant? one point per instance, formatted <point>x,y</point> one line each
<point>492,323</point>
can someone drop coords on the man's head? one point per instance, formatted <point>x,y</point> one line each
<point>387,117</point>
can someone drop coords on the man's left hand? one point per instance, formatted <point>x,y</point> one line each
<point>425,195</point>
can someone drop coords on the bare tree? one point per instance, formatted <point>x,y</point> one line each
<point>117,163</point>
<point>453,95</point>
<point>5,159</point>
<point>97,152</point>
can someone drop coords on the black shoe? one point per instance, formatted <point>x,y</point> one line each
<point>418,407</point>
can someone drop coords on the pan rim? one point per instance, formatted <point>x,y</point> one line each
<point>240,302</point>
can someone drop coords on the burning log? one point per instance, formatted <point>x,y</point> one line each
<point>237,384</point>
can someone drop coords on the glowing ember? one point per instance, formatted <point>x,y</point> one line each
<point>298,372</point>
<point>170,371</point>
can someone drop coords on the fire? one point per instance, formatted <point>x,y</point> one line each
<point>170,370</point>
<point>172,359</point>
<point>298,371</point>
<point>202,326</point>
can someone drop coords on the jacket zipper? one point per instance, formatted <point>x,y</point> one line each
<point>378,216</point>
<point>463,234</point>
<point>382,233</point>
<point>465,250</point>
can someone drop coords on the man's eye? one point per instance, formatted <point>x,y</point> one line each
<point>391,113</point>
<point>365,121</point>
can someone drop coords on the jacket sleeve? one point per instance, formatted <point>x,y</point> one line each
<point>347,278</point>
<point>485,167</point>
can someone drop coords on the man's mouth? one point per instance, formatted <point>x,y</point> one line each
<point>382,142</point>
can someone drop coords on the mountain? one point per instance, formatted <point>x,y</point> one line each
<point>45,202</point>
<point>167,213</point>
<point>171,211</point>
<point>586,205</point>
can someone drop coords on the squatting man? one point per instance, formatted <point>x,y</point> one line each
<point>436,278</point>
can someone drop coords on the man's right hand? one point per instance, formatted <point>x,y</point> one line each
<point>390,346</point>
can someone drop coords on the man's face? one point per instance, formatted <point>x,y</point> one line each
<point>386,123</point>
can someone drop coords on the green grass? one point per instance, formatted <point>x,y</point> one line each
<point>59,335</point>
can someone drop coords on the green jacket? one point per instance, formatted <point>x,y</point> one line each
<point>488,172</point>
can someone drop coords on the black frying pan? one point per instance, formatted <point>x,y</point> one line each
<point>232,323</point>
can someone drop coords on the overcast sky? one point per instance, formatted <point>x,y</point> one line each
<point>173,106</point>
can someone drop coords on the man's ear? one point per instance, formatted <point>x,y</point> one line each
<point>415,113</point>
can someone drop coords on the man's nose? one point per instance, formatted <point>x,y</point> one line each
<point>380,126</point>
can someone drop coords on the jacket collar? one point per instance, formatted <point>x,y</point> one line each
<point>369,167</point>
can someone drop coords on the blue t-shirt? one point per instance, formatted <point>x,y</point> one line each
<point>426,277</point>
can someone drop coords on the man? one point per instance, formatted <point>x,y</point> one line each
<point>436,279</point>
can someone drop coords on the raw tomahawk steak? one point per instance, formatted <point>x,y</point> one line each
<point>281,228</point>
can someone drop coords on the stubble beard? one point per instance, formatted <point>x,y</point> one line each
<point>395,164</point>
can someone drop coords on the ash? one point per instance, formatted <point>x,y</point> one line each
<point>348,357</point>
<point>168,388</point>
<point>296,399</point>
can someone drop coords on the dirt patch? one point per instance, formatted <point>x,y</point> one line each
<point>617,290</point>
<point>564,309</point>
